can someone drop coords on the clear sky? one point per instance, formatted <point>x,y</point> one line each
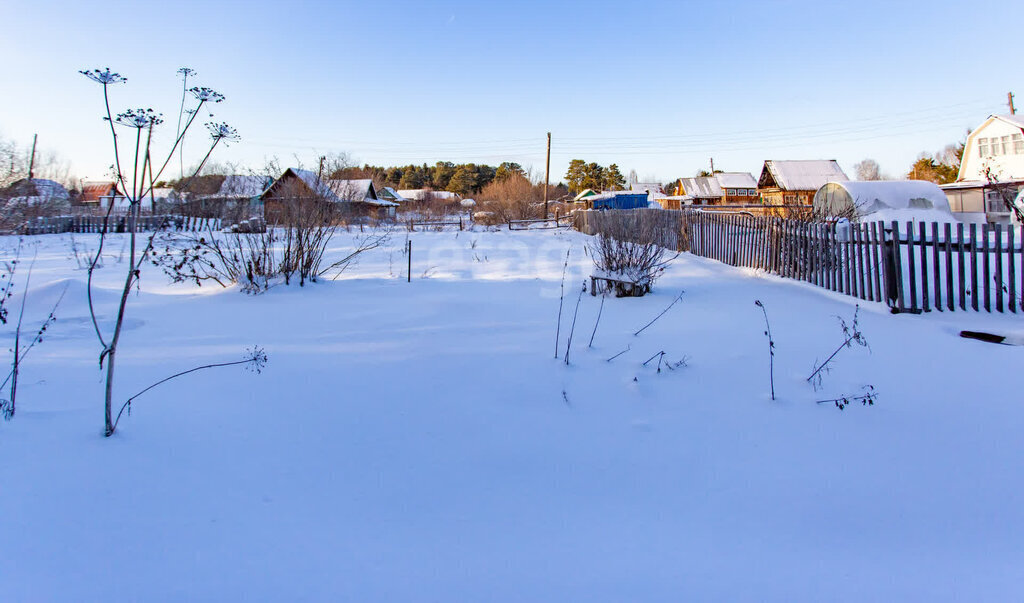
<point>659,87</point>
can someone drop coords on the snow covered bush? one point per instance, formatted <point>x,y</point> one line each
<point>629,254</point>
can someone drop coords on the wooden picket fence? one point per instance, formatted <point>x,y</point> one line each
<point>115,224</point>
<point>912,267</point>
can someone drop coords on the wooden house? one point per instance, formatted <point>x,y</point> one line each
<point>795,182</point>
<point>350,198</point>
<point>723,188</point>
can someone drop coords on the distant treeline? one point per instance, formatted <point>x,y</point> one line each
<point>466,179</point>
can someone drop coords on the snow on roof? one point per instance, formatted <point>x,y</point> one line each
<point>93,190</point>
<point>361,190</point>
<point>587,192</point>
<point>339,191</point>
<point>1014,120</point>
<point>736,180</point>
<point>869,198</point>
<point>36,187</point>
<point>650,187</point>
<point>702,186</point>
<point>389,193</point>
<point>804,175</point>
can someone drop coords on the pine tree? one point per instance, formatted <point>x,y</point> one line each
<point>463,181</point>
<point>575,176</point>
<point>613,180</point>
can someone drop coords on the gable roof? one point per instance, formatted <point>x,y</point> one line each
<point>1013,120</point>
<point>736,180</point>
<point>92,191</point>
<point>702,187</point>
<point>587,192</point>
<point>335,191</point>
<point>35,188</point>
<point>800,175</point>
<point>389,194</point>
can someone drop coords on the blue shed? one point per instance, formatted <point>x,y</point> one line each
<point>619,200</point>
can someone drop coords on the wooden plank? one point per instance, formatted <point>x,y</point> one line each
<point>1011,266</point>
<point>875,265</point>
<point>947,248</point>
<point>961,288</point>
<point>911,266</point>
<point>922,237</point>
<point>861,263</point>
<point>936,271</point>
<point>986,276</point>
<point>898,261</point>
<point>816,234</point>
<point>974,266</point>
<point>999,267</point>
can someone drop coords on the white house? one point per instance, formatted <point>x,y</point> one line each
<point>996,145</point>
<point>992,169</point>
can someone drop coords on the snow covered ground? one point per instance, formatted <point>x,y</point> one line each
<point>419,442</point>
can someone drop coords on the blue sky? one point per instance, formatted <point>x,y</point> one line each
<point>659,87</point>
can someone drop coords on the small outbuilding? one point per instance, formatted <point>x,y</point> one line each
<point>618,200</point>
<point>883,200</point>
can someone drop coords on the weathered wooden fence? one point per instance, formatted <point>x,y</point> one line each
<point>89,224</point>
<point>912,267</point>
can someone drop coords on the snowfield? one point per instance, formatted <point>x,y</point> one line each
<point>419,441</point>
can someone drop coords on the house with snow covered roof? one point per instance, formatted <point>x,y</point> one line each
<point>794,182</point>
<point>352,197</point>
<point>35,192</point>
<point>389,194</point>
<point>92,191</point>
<point>992,168</point>
<point>723,188</point>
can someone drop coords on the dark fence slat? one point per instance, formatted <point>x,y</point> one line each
<point>1011,266</point>
<point>999,266</point>
<point>922,237</point>
<point>911,266</point>
<point>961,288</point>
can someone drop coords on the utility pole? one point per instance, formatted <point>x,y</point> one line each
<point>1009,101</point>
<point>712,166</point>
<point>547,175</point>
<point>320,174</point>
<point>32,160</point>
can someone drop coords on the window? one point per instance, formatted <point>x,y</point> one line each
<point>790,198</point>
<point>742,192</point>
<point>982,147</point>
<point>994,143</point>
<point>731,192</point>
<point>1018,144</point>
<point>753,192</point>
<point>1005,145</point>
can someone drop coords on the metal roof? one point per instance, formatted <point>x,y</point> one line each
<point>803,175</point>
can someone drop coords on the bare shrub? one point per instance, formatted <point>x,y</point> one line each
<point>512,198</point>
<point>293,246</point>
<point>629,250</point>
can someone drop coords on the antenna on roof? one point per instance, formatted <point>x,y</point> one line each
<point>32,160</point>
<point>1009,101</point>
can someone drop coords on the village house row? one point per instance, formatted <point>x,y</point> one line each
<point>992,169</point>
